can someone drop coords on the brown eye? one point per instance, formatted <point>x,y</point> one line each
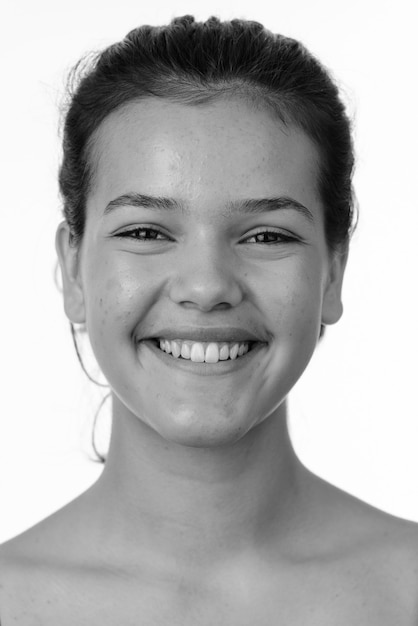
<point>270,237</point>
<point>141,234</point>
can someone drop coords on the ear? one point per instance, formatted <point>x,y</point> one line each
<point>332,306</point>
<point>68,256</point>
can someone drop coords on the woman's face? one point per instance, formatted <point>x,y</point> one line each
<point>203,223</point>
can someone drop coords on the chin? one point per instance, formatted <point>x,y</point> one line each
<point>203,431</point>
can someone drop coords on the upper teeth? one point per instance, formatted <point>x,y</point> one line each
<point>208,352</point>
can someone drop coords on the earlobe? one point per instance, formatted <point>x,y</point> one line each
<point>332,306</point>
<point>68,256</point>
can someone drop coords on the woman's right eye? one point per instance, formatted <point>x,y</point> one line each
<point>139,234</point>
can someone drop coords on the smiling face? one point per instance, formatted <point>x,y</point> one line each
<point>202,258</point>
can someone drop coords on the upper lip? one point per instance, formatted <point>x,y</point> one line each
<point>212,334</point>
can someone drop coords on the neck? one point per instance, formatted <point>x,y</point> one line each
<point>199,506</point>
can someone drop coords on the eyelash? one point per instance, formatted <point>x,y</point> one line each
<point>283,237</point>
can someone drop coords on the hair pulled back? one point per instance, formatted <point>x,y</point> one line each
<point>198,62</point>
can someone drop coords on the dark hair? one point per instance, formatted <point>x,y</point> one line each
<point>195,63</point>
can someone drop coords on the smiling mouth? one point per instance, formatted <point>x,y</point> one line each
<point>204,352</point>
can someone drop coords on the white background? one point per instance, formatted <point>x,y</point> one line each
<point>354,413</point>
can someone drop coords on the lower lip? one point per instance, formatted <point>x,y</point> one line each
<point>205,369</point>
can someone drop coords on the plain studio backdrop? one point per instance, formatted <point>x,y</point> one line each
<point>354,417</point>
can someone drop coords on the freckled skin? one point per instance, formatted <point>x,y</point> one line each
<point>204,157</point>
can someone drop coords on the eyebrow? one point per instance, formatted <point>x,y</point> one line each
<point>246,206</point>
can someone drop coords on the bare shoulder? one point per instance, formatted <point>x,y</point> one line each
<point>38,586</point>
<point>391,564</point>
<point>13,574</point>
<point>369,525</point>
<point>396,552</point>
<point>380,549</point>
<point>39,566</point>
<point>21,575</point>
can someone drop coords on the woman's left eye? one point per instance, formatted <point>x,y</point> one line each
<point>139,234</point>
<point>270,237</point>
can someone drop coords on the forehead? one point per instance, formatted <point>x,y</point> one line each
<point>224,150</point>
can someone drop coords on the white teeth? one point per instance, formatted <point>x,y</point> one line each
<point>224,352</point>
<point>212,353</point>
<point>185,350</point>
<point>200,352</point>
<point>175,349</point>
<point>197,353</point>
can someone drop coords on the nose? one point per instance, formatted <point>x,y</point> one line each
<point>206,277</point>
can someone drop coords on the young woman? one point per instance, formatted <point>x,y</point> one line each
<point>208,206</point>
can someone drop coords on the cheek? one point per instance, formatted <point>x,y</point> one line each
<point>298,303</point>
<point>113,304</point>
